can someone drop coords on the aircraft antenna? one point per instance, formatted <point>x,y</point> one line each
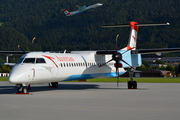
<point>33,43</point>
<point>21,48</point>
<point>116,41</point>
<point>64,51</point>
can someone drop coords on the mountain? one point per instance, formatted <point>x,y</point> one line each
<point>22,20</point>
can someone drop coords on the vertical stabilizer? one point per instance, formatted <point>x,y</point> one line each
<point>132,37</point>
<point>66,12</point>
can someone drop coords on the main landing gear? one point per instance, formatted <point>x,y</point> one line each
<point>53,85</point>
<point>131,84</point>
<point>22,90</point>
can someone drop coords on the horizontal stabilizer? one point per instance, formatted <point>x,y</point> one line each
<point>127,25</point>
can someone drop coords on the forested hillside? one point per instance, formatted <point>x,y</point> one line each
<point>21,20</point>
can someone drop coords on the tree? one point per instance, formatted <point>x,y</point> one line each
<point>159,62</point>
<point>4,69</point>
<point>142,68</point>
<point>178,69</point>
<point>162,67</point>
<point>170,68</point>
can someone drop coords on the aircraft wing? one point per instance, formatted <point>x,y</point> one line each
<point>104,52</point>
<point>151,51</point>
<point>141,51</point>
<point>24,52</point>
<point>14,52</point>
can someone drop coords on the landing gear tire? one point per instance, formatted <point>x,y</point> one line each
<point>132,85</point>
<point>22,89</point>
<point>129,84</point>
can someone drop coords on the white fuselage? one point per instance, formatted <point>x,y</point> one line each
<point>42,67</point>
<point>84,8</point>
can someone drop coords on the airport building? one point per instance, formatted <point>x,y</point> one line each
<point>165,59</point>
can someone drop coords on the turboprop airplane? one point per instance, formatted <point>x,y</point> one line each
<point>47,67</point>
<point>81,9</point>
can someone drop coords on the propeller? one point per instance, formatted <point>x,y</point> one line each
<point>117,57</point>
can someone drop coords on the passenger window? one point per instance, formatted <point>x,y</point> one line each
<point>29,60</point>
<point>40,60</point>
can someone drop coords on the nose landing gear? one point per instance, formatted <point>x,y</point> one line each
<point>22,90</point>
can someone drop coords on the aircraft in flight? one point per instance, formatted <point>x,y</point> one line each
<point>47,67</point>
<point>81,9</point>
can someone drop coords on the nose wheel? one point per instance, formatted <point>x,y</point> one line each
<point>22,90</point>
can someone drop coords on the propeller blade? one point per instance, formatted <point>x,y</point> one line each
<point>128,50</point>
<point>105,63</point>
<point>127,64</point>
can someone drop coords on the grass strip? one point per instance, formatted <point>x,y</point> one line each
<point>139,80</point>
<point>125,79</point>
<point>3,78</point>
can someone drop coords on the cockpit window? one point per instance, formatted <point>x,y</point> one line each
<point>40,60</point>
<point>29,60</point>
<point>21,59</point>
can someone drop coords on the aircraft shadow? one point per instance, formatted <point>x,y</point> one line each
<point>7,89</point>
<point>65,87</point>
<point>13,89</point>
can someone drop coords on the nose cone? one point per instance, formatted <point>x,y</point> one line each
<point>15,75</point>
<point>13,78</point>
<point>99,4</point>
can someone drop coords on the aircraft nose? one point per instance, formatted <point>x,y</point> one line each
<point>13,78</point>
<point>15,75</point>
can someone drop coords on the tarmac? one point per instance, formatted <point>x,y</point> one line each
<point>91,101</point>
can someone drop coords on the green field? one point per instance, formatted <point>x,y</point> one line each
<point>139,80</point>
<point>3,79</point>
<point>1,23</point>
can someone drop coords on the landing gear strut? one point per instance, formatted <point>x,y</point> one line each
<point>22,90</point>
<point>53,85</point>
<point>131,84</point>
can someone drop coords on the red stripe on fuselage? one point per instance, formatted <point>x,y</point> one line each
<point>50,58</point>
